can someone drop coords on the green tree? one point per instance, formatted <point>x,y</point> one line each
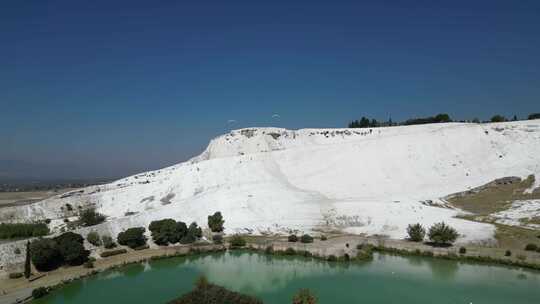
<point>71,247</point>
<point>108,242</point>
<point>498,118</point>
<point>167,231</point>
<point>534,116</point>
<point>91,217</point>
<point>45,255</point>
<point>215,222</point>
<point>304,296</point>
<point>416,232</point>
<point>27,262</point>
<point>133,237</point>
<point>442,234</point>
<point>94,238</point>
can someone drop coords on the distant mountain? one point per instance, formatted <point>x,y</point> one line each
<point>17,171</point>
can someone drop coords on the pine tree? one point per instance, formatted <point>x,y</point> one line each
<point>27,266</point>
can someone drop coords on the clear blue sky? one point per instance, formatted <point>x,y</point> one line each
<point>108,88</point>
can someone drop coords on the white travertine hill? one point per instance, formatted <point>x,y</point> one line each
<point>356,180</point>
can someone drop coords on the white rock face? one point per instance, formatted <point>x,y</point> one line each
<point>357,180</point>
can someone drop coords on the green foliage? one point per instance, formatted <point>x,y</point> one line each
<point>237,241</point>
<point>364,122</point>
<point>132,237</point>
<point>290,251</point>
<point>498,118</point>
<point>218,239</point>
<point>91,217</point>
<point>45,254</point>
<point>109,253</point>
<point>442,234</point>
<point>27,262</point>
<point>17,251</point>
<point>507,253</point>
<point>306,238</point>
<point>206,293</point>
<point>432,119</point>
<point>108,242</point>
<point>323,237</point>
<point>534,116</point>
<point>215,222</point>
<point>12,231</point>
<point>531,247</point>
<point>94,238</point>
<point>416,232</point>
<point>269,249</point>
<point>167,231</point>
<point>304,296</point>
<point>15,275</point>
<point>293,238</point>
<point>331,258</point>
<point>71,247</point>
<point>462,250</point>
<point>40,292</point>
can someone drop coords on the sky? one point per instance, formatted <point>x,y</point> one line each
<point>111,88</point>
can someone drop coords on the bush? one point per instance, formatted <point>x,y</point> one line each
<point>109,253</point>
<point>442,234</point>
<point>45,254</point>
<point>416,232</point>
<point>17,251</point>
<point>269,250</point>
<point>15,275</point>
<point>531,247</point>
<point>331,258</point>
<point>108,242</point>
<point>88,264</point>
<point>290,251</point>
<point>217,239</point>
<point>91,217</point>
<point>323,237</point>
<point>133,237</point>
<point>206,293</point>
<point>40,292</point>
<point>306,238</point>
<point>508,253</point>
<point>167,231</point>
<point>462,250</point>
<point>498,118</point>
<point>94,238</point>
<point>293,238</point>
<point>237,241</point>
<point>215,222</point>
<point>71,246</point>
<point>143,247</point>
<point>11,231</point>
<point>304,296</point>
<point>534,116</point>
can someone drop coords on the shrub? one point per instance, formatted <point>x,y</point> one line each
<point>143,247</point>
<point>462,250</point>
<point>45,254</point>
<point>109,253</point>
<point>207,293</point>
<point>331,258</point>
<point>237,241</point>
<point>416,232</point>
<point>11,231</point>
<point>39,292</point>
<point>71,246</point>
<point>167,231</point>
<point>508,253</point>
<point>442,234</point>
<point>15,275</point>
<point>88,264</point>
<point>534,116</point>
<point>269,250</point>
<point>94,238</point>
<point>215,222</point>
<point>27,262</point>
<point>306,238</point>
<point>498,118</point>
<point>293,238</point>
<point>290,251</point>
<point>531,247</point>
<point>17,251</point>
<point>108,242</point>
<point>323,237</point>
<point>217,239</point>
<point>133,237</point>
<point>304,296</point>
<point>91,217</point>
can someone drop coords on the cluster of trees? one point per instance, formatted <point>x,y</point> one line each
<point>95,239</point>
<point>65,249</point>
<point>132,237</point>
<point>12,231</point>
<point>365,122</point>
<point>443,117</point>
<point>306,238</point>
<point>169,231</point>
<point>207,293</point>
<point>91,217</point>
<point>440,234</point>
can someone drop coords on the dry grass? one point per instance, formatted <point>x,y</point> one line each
<point>22,198</point>
<point>512,237</point>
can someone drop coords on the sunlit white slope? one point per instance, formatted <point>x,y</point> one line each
<point>358,180</point>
